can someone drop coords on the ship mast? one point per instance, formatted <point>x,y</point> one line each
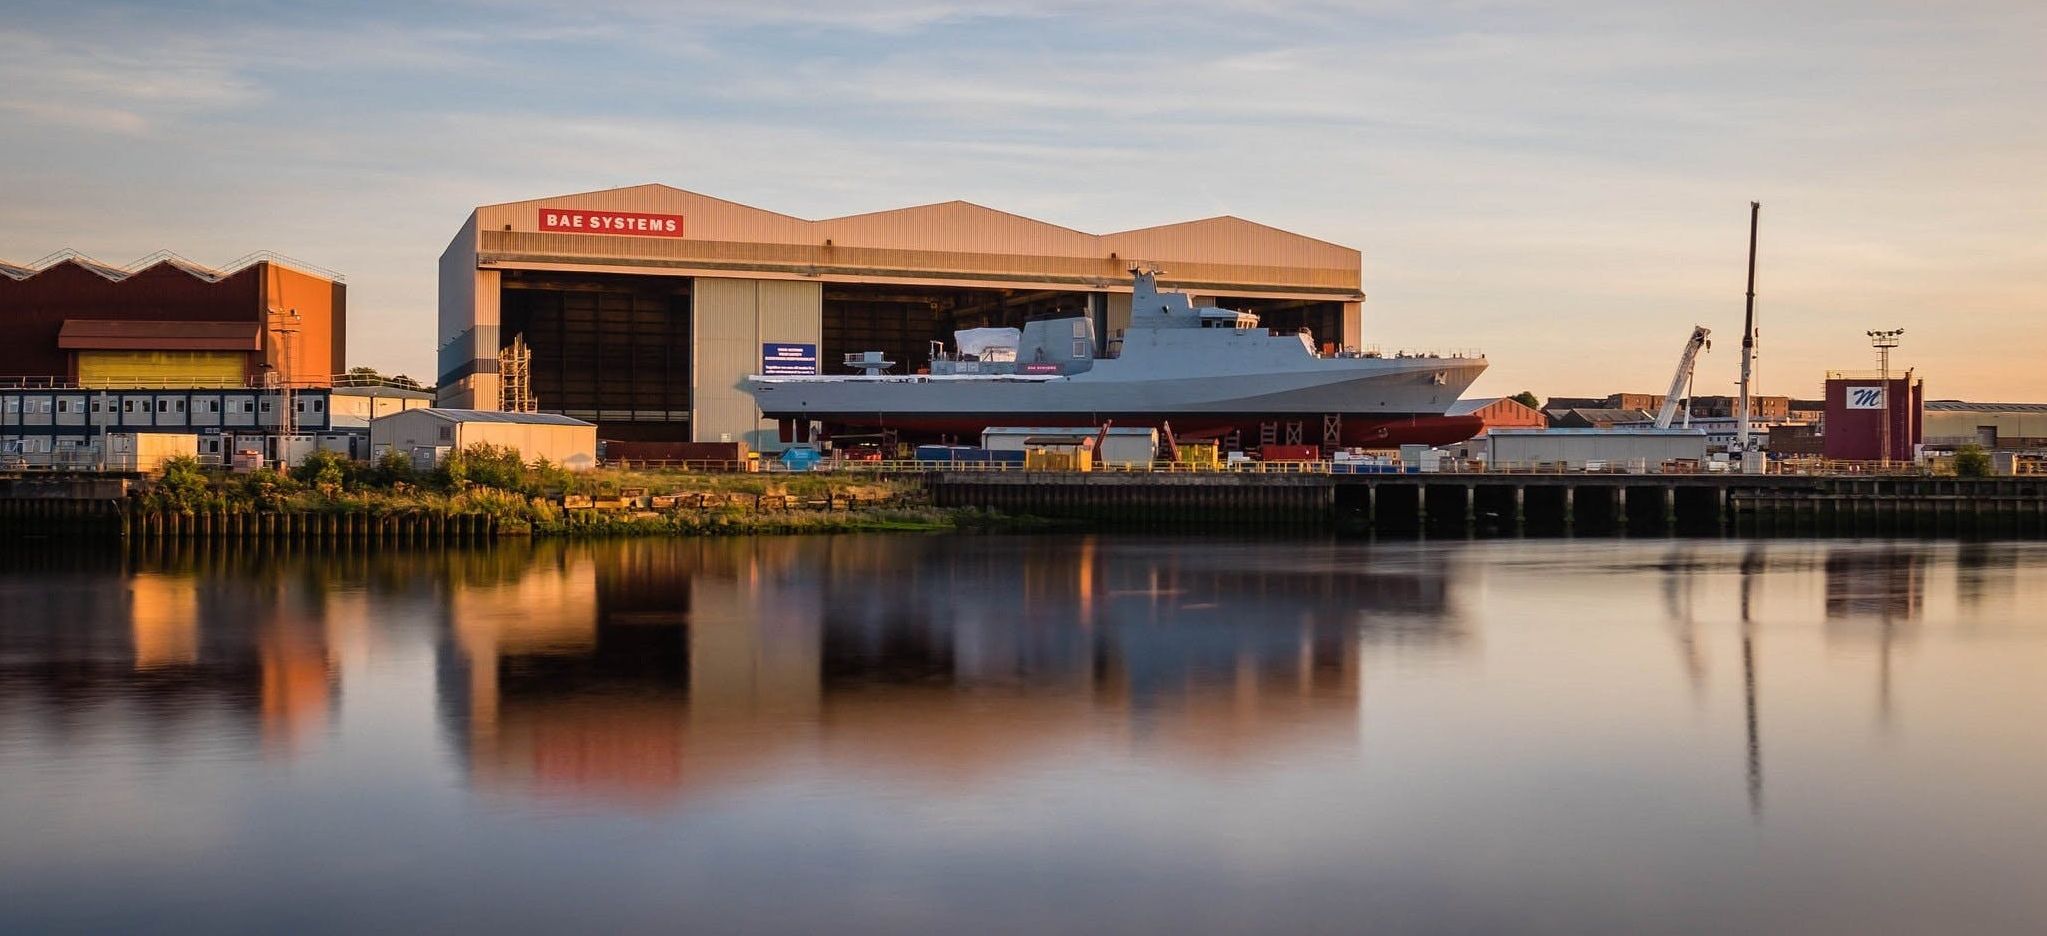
<point>1748,335</point>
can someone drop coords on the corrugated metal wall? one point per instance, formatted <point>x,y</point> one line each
<point>308,349</point>
<point>732,318</point>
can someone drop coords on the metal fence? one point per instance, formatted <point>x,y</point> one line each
<point>1805,466</point>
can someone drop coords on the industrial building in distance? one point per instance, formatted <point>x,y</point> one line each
<point>1846,424</point>
<point>643,309</point>
<point>164,319</point>
<point>242,357</point>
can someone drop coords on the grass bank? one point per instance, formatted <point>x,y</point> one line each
<point>545,500</point>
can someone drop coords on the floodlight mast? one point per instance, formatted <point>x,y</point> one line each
<point>1883,340</point>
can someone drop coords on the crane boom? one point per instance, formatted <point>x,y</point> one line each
<point>1685,363</point>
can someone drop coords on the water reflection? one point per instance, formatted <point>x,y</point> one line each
<point>650,669</point>
<point>165,652</point>
<point>1751,566</point>
<point>1076,734</point>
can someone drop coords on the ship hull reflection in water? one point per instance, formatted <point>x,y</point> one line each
<point>1027,734</point>
<point>649,670</point>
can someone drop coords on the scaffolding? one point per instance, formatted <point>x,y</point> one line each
<point>515,380</point>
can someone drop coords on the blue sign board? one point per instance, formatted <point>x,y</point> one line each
<point>788,360</point>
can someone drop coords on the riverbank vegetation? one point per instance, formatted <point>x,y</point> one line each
<point>547,499</point>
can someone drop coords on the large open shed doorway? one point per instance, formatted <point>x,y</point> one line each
<point>611,349</point>
<point>903,321</point>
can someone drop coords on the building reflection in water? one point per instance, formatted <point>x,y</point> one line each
<point>169,645</point>
<point>1876,593</point>
<point>1885,582</point>
<point>646,670</point>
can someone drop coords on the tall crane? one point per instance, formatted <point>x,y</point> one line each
<point>1748,336</point>
<point>1685,362</point>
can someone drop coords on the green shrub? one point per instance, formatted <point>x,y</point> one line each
<point>497,466</point>
<point>391,469</point>
<point>546,477</point>
<point>452,474</point>
<point>501,468</point>
<point>267,488</point>
<point>184,483</point>
<point>323,469</point>
<point>1972,462</point>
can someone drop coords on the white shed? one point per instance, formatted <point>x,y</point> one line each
<point>1631,449</point>
<point>433,432</point>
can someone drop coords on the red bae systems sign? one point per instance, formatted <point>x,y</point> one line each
<point>632,224</point>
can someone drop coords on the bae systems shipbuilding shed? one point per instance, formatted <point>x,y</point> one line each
<point>644,309</point>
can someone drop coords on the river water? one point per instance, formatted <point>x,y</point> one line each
<point>1028,734</point>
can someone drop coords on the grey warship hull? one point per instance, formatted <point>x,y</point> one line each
<point>1204,371</point>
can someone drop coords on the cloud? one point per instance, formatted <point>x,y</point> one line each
<point>97,87</point>
<point>1518,175</point>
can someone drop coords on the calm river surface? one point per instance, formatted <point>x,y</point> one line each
<point>1029,734</point>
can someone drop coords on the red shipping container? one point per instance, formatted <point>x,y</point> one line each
<point>1290,453</point>
<point>675,451</point>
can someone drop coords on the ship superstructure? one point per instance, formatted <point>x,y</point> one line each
<point>1208,371</point>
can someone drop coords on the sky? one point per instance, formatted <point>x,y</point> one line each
<point>1563,185</point>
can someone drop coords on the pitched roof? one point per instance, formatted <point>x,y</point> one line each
<point>960,225</point>
<point>1603,416</point>
<point>1959,406</point>
<point>161,258</point>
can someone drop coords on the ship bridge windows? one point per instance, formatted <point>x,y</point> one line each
<point>1322,321</point>
<point>903,321</point>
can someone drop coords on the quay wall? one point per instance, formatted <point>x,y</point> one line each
<point>1578,502</point>
<point>1803,505</point>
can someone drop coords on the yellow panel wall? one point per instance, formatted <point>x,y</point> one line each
<point>161,368</point>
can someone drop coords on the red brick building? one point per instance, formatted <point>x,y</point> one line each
<point>1501,412</point>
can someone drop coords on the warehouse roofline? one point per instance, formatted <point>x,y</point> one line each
<point>493,416</point>
<point>1961,406</point>
<point>22,271</point>
<point>947,226</point>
